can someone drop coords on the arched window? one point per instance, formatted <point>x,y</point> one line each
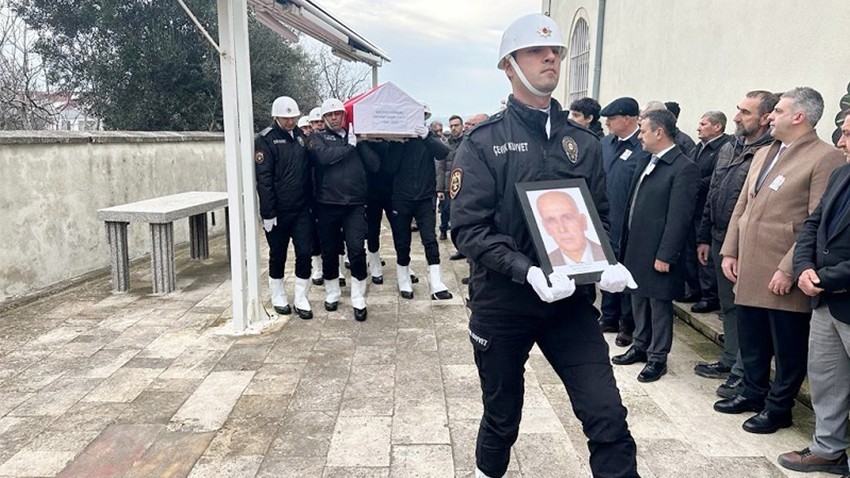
<point>579,61</point>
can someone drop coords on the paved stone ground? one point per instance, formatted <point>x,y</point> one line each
<point>97,385</point>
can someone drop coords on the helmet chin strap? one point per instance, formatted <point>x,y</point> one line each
<point>534,91</point>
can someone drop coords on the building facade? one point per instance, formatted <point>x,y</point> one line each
<point>703,54</point>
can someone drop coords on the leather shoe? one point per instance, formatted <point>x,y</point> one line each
<point>703,307</point>
<point>692,296</point>
<point>739,404</point>
<point>405,294</point>
<point>624,338</point>
<point>768,422</point>
<point>607,327</point>
<point>443,235</point>
<point>731,388</point>
<point>631,356</point>
<point>712,370</point>
<point>304,314</point>
<point>360,314</point>
<point>806,461</point>
<point>319,281</point>
<point>457,256</point>
<point>442,295</point>
<point>331,306</point>
<point>378,280</point>
<point>342,281</point>
<point>285,310</point>
<point>652,372</point>
<point>414,279</point>
<point>465,281</point>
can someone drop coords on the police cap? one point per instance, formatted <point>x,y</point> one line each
<point>621,106</point>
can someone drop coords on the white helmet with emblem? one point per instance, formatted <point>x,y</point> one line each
<point>285,107</point>
<point>315,114</point>
<point>530,31</point>
<point>331,105</point>
<point>303,121</point>
<point>427,111</point>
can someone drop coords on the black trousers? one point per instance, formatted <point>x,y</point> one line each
<point>375,210</point>
<point>297,226</point>
<point>445,213</point>
<point>617,308</point>
<point>403,214</point>
<point>338,223</point>
<point>767,333</point>
<point>576,350</point>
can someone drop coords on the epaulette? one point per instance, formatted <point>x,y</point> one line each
<point>265,131</point>
<point>495,118</point>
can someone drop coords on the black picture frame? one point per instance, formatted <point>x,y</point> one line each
<point>544,243</point>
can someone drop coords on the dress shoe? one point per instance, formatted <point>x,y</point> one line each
<point>768,422</point>
<point>608,327</point>
<point>624,338</point>
<point>652,372</point>
<point>692,296</point>
<point>465,281</point>
<point>443,236</point>
<point>703,307</point>
<point>331,306</point>
<point>319,281</point>
<point>285,310</point>
<point>341,281</point>
<point>631,356</point>
<point>414,279</point>
<point>304,314</point>
<point>406,294</point>
<point>806,461</point>
<point>731,388</point>
<point>441,295</point>
<point>378,280</point>
<point>360,314</point>
<point>739,404</point>
<point>712,370</point>
<point>457,256</point>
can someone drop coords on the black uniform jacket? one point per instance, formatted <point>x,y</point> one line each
<point>282,169</point>
<point>487,220</point>
<point>414,173</point>
<point>828,254</point>
<point>662,216</point>
<point>340,169</point>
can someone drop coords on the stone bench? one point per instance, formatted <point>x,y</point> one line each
<point>161,213</point>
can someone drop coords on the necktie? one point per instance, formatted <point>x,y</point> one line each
<point>766,170</point>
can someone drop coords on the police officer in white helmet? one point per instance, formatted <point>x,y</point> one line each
<point>514,304</point>
<point>283,177</point>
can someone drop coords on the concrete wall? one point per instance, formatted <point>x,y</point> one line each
<point>706,55</point>
<point>52,183</point>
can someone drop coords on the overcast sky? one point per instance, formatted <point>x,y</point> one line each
<point>443,52</point>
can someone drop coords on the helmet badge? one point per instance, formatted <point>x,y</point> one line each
<point>544,32</point>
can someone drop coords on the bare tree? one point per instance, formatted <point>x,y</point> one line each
<point>25,101</point>
<point>338,78</point>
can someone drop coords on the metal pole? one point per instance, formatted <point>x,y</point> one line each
<point>374,76</point>
<point>234,180</point>
<point>597,62</point>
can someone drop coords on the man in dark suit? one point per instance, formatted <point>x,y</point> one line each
<point>567,226</point>
<point>822,268</point>
<point>661,203</point>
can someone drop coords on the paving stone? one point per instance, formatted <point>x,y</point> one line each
<point>291,467</point>
<point>305,434</point>
<point>104,363</point>
<point>233,465</point>
<point>193,364</point>
<point>170,344</point>
<point>171,454</point>
<point>371,381</point>
<point>212,402</point>
<point>89,416</point>
<point>243,437</point>
<point>124,385</point>
<point>549,456</point>
<point>15,432</point>
<point>10,400</point>
<point>355,472</point>
<point>113,452</point>
<point>361,441</point>
<point>367,406</point>
<point>36,463</point>
<point>260,406</point>
<point>276,379</point>
<point>153,407</point>
<point>136,337</point>
<point>420,422</point>
<point>421,461</point>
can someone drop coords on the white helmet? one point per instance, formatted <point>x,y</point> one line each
<point>427,111</point>
<point>315,114</point>
<point>529,31</point>
<point>331,105</point>
<point>285,107</point>
<point>303,121</point>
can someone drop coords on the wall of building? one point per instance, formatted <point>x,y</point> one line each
<point>706,55</point>
<point>52,184</point>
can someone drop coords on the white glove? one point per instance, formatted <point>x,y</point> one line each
<point>561,288</point>
<point>352,138</point>
<point>269,224</point>
<point>616,278</point>
<point>421,131</point>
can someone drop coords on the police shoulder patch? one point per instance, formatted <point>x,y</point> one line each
<point>570,148</point>
<point>258,157</point>
<point>455,182</point>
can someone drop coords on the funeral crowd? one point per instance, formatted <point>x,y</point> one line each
<point>752,225</point>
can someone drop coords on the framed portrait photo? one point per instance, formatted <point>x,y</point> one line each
<point>565,227</point>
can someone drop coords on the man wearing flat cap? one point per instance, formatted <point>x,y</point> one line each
<point>621,151</point>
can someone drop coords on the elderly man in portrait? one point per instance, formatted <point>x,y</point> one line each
<point>567,226</point>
